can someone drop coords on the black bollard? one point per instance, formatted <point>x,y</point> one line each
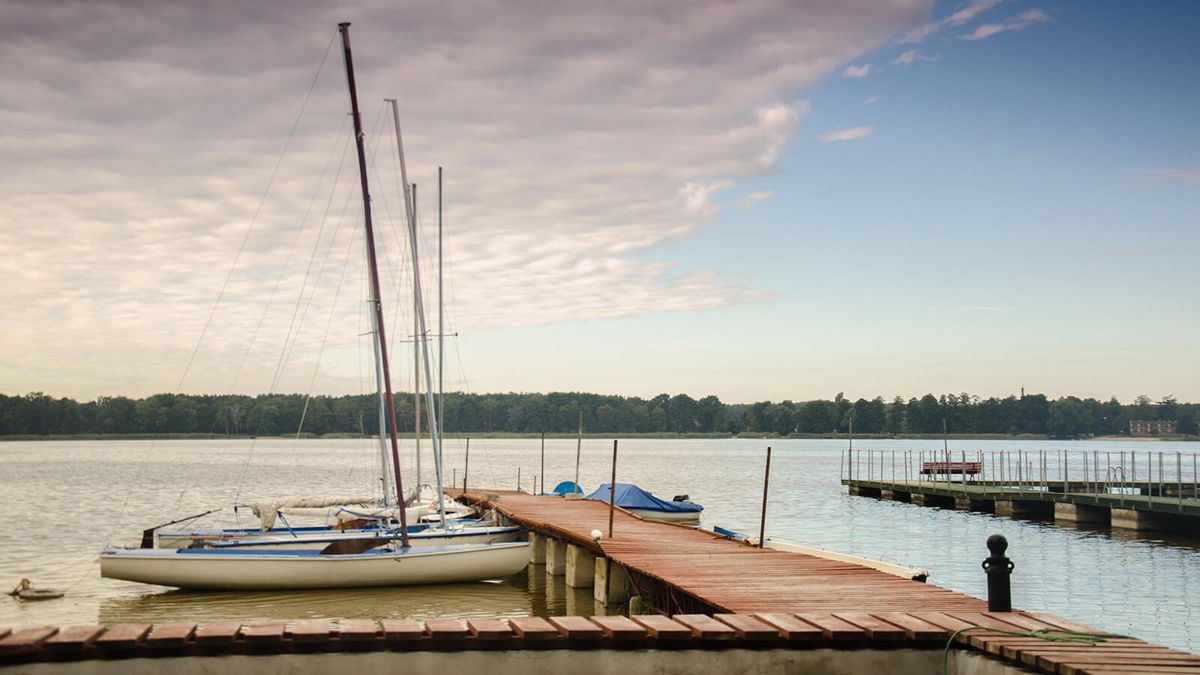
<point>999,575</point>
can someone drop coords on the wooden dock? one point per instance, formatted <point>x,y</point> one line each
<point>719,574</point>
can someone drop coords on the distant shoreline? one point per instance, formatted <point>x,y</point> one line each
<point>559,436</point>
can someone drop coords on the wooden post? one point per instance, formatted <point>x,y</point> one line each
<point>466,465</point>
<point>612,493</point>
<point>518,479</point>
<point>762,524</point>
<point>543,473</point>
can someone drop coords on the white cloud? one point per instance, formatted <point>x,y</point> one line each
<point>984,31</point>
<point>139,139</point>
<point>1191,173</point>
<point>957,18</point>
<point>850,134</point>
<point>873,98</point>
<point>911,56</point>
<point>754,198</point>
<point>857,71</point>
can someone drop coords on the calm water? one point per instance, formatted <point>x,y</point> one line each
<point>62,502</point>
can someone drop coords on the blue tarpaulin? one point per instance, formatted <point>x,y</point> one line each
<point>630,496</point>
<point>567,487</point>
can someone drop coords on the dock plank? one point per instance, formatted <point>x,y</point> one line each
<point>123,636</point>
<point>218,634</point>
<point>171,635</point>
<point>620,627</point>
<point>74,638</point>
<point>25,640</point>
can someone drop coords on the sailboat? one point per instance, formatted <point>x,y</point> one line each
<point>358,560</point>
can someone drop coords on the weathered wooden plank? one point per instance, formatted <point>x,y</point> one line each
<point>263,633</point>
<point>576,627</point>
<point>172,635</point>
<point>914,628</point>
<point>835,629</point>
<point>218,633</point>
<point>662,628</point>
<point>402,630</point>
<point>876,629</point>
<point>25,640</point>
<point>791,628</point>
<point>489,629</point>
<point>74,638</point>
<point>620,627</point>
<point>533,628</point>
<point>357,630</point>
<point>311,631</point>
<point>447,629</point>
<point>123,636</point>
<point>705,627</point>
<point>749,628</point>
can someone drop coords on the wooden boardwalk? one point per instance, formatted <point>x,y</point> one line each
<point>723,574</point>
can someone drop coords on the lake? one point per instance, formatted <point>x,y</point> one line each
<point>63,501</point>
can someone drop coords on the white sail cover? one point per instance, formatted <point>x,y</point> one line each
<point>268,510</point>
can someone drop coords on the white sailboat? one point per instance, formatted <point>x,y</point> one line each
<point>357,559</point>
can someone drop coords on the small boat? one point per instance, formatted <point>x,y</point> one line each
<point>425,538</point>
<point>226,569</point>
<point>641,503</point>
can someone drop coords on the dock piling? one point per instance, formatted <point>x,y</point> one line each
<point>612,491</point>
<point>999,575</point>
<point>762,525</point>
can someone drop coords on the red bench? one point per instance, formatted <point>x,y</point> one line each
<point>951,468</point>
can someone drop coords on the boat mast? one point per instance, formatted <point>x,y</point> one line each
<point>441,404</point>
<point>380,334</point>
<point>430,412</point>
<point>382,405</point>
<point>417,337</point>
<point>410,208</point>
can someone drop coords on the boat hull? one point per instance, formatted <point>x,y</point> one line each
<point>689,517</point>
<point>425,539</point>
<point>237,570</point>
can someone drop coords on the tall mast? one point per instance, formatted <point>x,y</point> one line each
<point>441,405</point>
<point>417,338</point>
<point>419,309</point>
<point>381,400</point>
<point>410,212</point>
<point>381,335</point>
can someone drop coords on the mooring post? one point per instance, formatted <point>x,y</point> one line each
<point>999,575</point>
<point>762,525</point>
<point>543,473</point>
<point>466,464</point>
<point>518,479</point>
<point>612,492</point>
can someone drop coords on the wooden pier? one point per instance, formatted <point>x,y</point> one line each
<point>1152,492</point>
<point>677,568</point>
<point>695,602</point>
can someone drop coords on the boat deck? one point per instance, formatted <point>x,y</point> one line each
<point>723,574</point>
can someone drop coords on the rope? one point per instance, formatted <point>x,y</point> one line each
<point>1047,634</point>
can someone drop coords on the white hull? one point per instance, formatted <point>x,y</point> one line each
<point>476,535</point>
<point>218,571</point>
<point>690,517</point>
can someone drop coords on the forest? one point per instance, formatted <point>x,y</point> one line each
<point>37,414</point>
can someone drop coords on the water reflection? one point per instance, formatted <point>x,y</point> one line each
<point>507,598</point>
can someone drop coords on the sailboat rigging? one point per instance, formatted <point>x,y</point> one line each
<point>323,558</point>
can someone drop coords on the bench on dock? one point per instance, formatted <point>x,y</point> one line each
<point>951,468</point>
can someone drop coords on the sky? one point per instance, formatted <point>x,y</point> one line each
<point>758,200</point>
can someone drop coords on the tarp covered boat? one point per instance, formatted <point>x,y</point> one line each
<point>641,503</point>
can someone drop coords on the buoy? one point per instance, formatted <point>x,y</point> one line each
<point>26,591</point>
<point>596,535</point>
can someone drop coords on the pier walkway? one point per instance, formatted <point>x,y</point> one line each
<point>719,574</point>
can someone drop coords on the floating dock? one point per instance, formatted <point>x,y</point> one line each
<point>697,602</point>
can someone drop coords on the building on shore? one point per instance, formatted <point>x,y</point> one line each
<point>1152,427</point>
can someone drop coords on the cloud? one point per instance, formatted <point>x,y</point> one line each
<point>873,98</point>
<point>857,71</point>
<point>957,18</point>
<point>139,140</point>
<point>850,134</point>
<point>984,31</point>
<point>1191,173</point>
<point>911,56</point>
<point>754,198</point>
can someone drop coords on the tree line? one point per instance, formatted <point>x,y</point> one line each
<point>37,414</point>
